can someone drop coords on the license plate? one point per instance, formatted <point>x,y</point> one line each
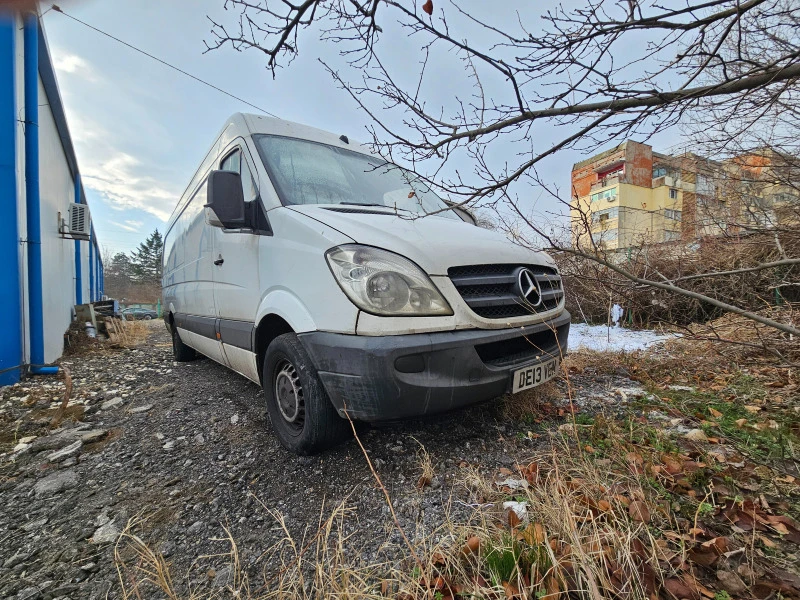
<point>534,375</point>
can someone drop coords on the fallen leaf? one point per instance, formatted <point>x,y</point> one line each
<point>731,582</point>
<point>511,590</point>
<point>678,589</point>
<point>705,557</point>
<point>472,545</point>
<point>672,465</point>
<point>714,413</point>
<point>533,534</point>
<point>639,512</point>
<point>423,482</point>
<point>553,589</point>
<point>634,458</point>
<point>767,542</point>
<point>696,435</point>
<point>428,7</point>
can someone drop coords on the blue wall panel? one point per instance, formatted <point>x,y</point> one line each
<point>10,302</point>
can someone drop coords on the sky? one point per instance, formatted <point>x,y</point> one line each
<point>140,129</point>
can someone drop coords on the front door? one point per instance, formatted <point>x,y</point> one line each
<point>237,289</point>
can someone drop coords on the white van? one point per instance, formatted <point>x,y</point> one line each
<point>345,287</point>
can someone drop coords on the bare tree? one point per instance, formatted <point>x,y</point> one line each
<point>585,76</point>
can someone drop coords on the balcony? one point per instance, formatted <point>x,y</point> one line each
<point>605,182</point>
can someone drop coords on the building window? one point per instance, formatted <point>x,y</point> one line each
<point>705,186</point>
<point>601,216</point>
<point>673,194</point>
<point>672,236</point>
<point>659,172</point>
<point>675,215</point>
<point>605,236</point>
<point>610,195</point>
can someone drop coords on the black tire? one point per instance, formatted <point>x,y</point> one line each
<point>301,413</point>
<point>147,318</point>
<point>181,351</point>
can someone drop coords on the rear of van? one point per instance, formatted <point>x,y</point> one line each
<point>347,288</point>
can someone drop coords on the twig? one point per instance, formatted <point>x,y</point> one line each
<point>57,418</point>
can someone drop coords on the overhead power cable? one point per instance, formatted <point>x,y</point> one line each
<point>58,9</point>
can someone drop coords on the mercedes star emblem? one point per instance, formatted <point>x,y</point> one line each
<point>528,288</point>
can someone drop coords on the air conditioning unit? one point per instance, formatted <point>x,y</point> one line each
<point>612,198</point>
<point>78,223</point>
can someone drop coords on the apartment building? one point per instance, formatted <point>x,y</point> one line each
<point>630,195</point>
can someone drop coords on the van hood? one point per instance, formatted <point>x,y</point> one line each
<point>434,243</point>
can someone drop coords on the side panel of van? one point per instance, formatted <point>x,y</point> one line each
<point>188,287</point>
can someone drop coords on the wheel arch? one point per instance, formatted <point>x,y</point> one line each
<point>269,327</point>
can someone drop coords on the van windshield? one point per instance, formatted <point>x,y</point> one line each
<point>305,172</point>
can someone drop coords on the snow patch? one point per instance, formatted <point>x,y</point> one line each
<point>614,339</point>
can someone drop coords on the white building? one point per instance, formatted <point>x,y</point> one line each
<point>45,272</point>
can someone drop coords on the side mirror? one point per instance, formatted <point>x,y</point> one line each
<point>225,198</point>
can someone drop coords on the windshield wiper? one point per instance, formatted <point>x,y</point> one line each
<point>376,205</point>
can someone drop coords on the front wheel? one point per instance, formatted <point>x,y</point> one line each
<point>181,351</point>
<point>147,317</point>
<point>301,413</point>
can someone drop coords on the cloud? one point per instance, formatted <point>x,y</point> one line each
<point>119,179</point>
<point>73,64</point>
<point>106,142</point>
<point>123,180</point>
<point>134,226</point>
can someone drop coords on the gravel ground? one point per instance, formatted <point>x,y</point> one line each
<point>189,448</point>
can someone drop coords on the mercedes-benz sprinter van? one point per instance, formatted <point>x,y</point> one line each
<point>347,288</point>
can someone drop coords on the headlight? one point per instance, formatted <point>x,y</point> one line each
<point>384,283</point>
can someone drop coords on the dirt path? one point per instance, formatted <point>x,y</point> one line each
<point>188,448</point>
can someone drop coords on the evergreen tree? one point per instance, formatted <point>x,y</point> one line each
<point>120,266</point>
<point>145,261</point>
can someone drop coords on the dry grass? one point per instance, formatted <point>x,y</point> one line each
<point>573,522</point>
<point>426,471</point>
<point>607,509</point>
<point>578,533</point>
<point>135,333</point>
<point>529,402</point>
<point>126,334</point>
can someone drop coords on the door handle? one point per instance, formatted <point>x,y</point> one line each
<point>219,261</point>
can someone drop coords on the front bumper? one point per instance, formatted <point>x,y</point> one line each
<point>393,377</point>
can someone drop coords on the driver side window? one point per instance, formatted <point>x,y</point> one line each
<point>234,162</point>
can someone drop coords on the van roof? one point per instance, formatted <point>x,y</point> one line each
<point>269,125</point>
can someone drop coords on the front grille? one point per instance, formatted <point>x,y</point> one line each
<point>491,290</point>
